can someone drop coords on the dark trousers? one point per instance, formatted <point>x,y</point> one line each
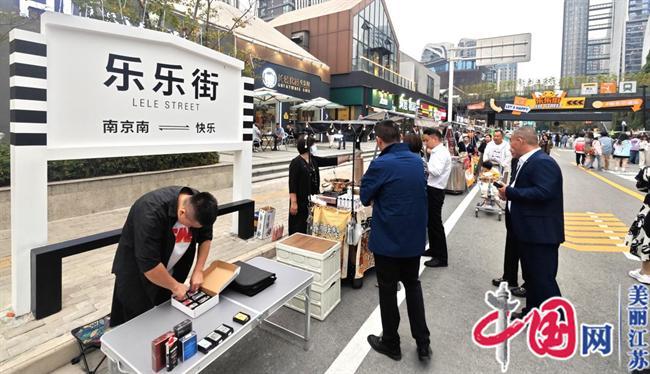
<point>391,270</point>
<point>511,263</point>
<point>580,158</point>
<point>437,238</point>
<point>539,264</point>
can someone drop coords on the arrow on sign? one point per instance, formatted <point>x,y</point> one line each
<point>174,127</point>
<point>634,103</point>
<point>494,106</point>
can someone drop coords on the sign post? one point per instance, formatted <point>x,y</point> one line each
<point>88,89</point>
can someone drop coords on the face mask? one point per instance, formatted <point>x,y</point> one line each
<point>314,150</point>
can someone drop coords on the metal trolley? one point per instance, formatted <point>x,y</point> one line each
<point>490,203</point>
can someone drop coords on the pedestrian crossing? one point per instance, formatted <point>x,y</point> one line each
<point>594,232</point>
<point>628,175</point>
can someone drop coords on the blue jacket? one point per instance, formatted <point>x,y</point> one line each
<point>394,184</point>
<point>536,214</point>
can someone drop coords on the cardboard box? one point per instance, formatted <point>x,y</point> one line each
<point>265,222</point>
<point>216,278</point>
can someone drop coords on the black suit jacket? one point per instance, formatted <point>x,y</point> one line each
<point>536,213</point>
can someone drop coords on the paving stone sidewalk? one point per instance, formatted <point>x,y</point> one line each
<point>88,282</point>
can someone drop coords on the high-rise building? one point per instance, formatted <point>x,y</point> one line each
<point>603,37</point>
<point>637,19</point>
<point>269,9</point>
<point>574,38</point>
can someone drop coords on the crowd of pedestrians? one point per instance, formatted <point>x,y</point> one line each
<point>600,151</point>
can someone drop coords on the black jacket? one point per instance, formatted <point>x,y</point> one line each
<point>147,240</point>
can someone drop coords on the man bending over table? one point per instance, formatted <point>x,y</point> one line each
<point>157,249</point>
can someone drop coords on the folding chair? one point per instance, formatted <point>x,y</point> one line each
<point>88,337</point>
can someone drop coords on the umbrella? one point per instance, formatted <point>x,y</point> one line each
<point>264,95</point>
<point>318,103</point>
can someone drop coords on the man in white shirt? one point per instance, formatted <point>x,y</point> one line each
<point>439,167</point>
<point>498,152</point>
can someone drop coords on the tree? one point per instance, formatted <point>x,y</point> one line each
<point>189,19</point>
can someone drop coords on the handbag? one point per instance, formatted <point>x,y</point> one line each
<point>251,280</point>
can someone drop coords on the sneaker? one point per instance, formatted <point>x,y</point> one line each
<point>378,344</point>
<point>424,353</point>
<point>642,278</point>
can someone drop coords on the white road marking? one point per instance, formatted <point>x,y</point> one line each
<point>351,357</point>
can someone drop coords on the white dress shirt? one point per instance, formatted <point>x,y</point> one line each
<point>520,163</point>
<point>439,167</point>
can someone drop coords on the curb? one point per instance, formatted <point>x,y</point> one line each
<point>59,351</point>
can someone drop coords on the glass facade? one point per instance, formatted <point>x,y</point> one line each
<point>269,9</point>
<point>638,12</point>
<point>374,46</point>
<point>574,37</point>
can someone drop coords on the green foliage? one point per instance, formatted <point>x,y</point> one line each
<point>79,169</point>
<point>4,164</point>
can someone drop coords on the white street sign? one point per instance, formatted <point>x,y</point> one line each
<point>518,108</point>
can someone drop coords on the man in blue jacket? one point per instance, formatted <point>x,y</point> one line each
<point>396,188</point>
<point>535,217</point>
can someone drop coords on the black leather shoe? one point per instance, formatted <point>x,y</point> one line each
<point>424,353</point>
<point>497,281</point>
<point>377,343</point>
<point>518,291</point>
<point>435,263</point>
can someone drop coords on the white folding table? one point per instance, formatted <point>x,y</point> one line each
<point>128,346</point>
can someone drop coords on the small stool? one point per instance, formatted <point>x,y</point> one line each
<point>88,337</point>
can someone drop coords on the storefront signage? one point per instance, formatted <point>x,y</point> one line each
<point>382,99</point>
<point>290,81</point>
<point>554,100</point>
<point>634,103</point>
<point>407,104</point>
<point>589,89</point>
<point>608,88</point>
<point>628,87</point>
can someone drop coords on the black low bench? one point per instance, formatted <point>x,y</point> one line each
<point>46,261</point>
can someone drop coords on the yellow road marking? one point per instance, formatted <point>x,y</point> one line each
<point>615,185</point>
<point>597,229</point>
<point>588,214</point>
<point>597,224</point>
<point>594,248</point>
<point>594,232</point>
<point>591,219</point>
<point>582,240</point>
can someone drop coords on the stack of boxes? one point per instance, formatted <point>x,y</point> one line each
<point>322,258</point>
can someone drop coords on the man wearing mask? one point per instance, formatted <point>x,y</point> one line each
<point>158,247</point>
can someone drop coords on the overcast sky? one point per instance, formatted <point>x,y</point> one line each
<point>418,22</point>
